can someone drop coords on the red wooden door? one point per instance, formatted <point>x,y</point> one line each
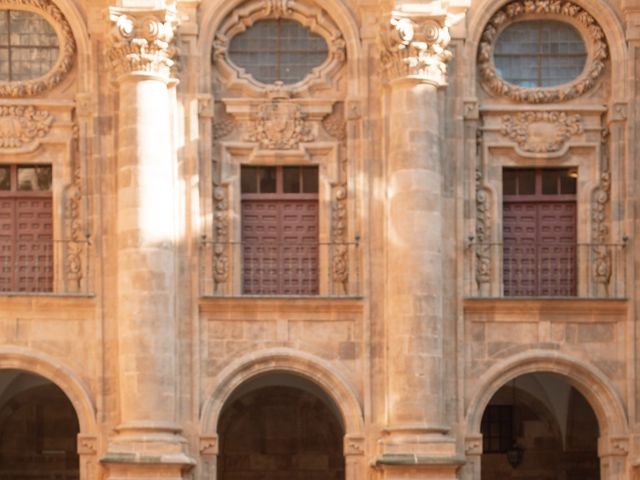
<point>26,230</point>
<point>279,238</point>
<point>539,234</point>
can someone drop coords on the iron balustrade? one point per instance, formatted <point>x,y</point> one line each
<point>272,269</point>
<point>546,269</point>
<point>44,266</point>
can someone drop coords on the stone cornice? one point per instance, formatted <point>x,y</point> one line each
<point>415,48</point>
<point>142,42</point>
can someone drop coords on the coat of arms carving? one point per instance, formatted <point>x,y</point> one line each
<point>280,125</point>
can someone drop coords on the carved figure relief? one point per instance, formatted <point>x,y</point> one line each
<point>66,57</point>
<point>22,125</point>
<point>541,132</point>
<point>280,125</point>
<point>520,9</point>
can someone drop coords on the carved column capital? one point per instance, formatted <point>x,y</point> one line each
<point>415,48</point>
<point>142,42</point>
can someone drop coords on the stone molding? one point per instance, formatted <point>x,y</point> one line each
<point>541,132</point>
<point>415,48</point>
<point>209,445</point>
<point>22,126</point>
<point>66,55</point>
<point>354,445</point>
<point>534,9</point>
<point>305,12</point>
<point>87,444</point>
<point>142,42</point>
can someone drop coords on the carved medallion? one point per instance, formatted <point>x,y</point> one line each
<point>22,125</point>
<point>541,132</point>
<point>280,125</point>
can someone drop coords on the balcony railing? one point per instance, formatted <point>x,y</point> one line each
<point>54,266</point>
<point>272,269</point>
<point>546,270</point>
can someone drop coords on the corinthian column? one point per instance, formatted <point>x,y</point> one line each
<point>147,440</point>
<point>414,56</point>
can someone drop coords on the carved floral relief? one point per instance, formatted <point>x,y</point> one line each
<point>521,9</point>
<point>541,132</point>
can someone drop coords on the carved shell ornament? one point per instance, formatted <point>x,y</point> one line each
<point>554,10</point>
<point>66,55</point>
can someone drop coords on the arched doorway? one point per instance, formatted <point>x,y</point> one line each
<point>280,426</point>
<point>38,428</point>
<point>539,426</point>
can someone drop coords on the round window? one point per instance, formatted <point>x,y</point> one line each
<point>29,46</point>
<point>540,53</point>
<point>278,50</point>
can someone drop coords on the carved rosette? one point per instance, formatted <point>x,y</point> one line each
<point>142,42</point>
<point>541,132</point>
<point>66,57</point>
<point>280,125</point>
<point>22,125</point>
<point>520,10</point>
<point>415,48</point>
<point>221,230</point>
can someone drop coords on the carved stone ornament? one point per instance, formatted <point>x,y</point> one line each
<point>416,49</point>
<point>541,132</point>
<point>142,41</point>
<point>73,221</point>
<point>22,125</point>
<point>354,445</point>
<point>87,444</point>
<point>339,231</point>
<point>306,12</point>
<point>221,230</point>
<point>66,56</point>
<point>483,232</point>
<point>335,124</point>
<point>521,9</point>
<point>280,125</point>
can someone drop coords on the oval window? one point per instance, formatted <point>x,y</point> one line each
<point>29,46</point>
<point>278,50</point>
<point>540,53</point>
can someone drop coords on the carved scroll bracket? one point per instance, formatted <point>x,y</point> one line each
<point>415,48</point>
<point>142,42</point>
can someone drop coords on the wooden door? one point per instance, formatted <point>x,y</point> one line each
<point>539,234</point>
<point>26,229</point>
<point>279,234</point>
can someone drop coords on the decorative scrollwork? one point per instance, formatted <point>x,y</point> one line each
<point>483,232</point>
<point>599,228</point>
<point>541,132</point>
<point>413,48</point>
<point>339,227</point>
<point>221,230</point>
<point>22,125</point>
<point>280,125</point>
<point>519,9</point>
<point>66,57</point>
<point>142,41</point>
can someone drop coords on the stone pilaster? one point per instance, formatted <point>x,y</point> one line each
<point>414,56</point>
<point>148,439</point>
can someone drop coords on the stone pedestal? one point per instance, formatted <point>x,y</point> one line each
<point>147,443</point>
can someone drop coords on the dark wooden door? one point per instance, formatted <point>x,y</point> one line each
<point>279,238</point>
<point>26,230</point>
<point>539,234</point>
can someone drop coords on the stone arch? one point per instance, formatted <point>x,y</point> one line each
<point>78,24</point>
<point>601,11</point>
<point>20,358</point>
<point>598,390</point>
<point>285,360</point>
<point>214,12</point>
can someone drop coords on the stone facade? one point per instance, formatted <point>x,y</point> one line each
<point>147,123</point>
